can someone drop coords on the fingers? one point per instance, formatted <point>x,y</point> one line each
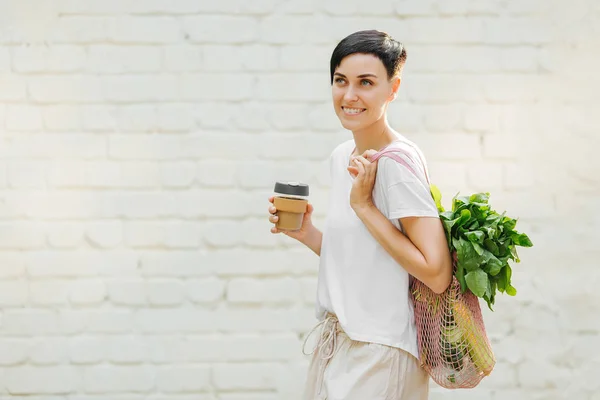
<point>364,161</point>
<point>353,171</point>
<point>367,165</point>
<point>360,164</point>
<point>309,208</point>
<point>369,153</point>
<point>273,218</point>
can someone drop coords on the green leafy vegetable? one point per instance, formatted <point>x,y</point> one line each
<point>477,282</point>
<point>483,241</point>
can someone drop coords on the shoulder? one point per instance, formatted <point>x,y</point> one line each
<point>402,161</point>
<point>410,150</point>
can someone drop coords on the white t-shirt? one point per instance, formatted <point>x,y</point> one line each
<point>359,281</point>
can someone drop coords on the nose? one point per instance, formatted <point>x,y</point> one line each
<point>350,95</point>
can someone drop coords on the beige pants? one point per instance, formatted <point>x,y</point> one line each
<point>344,369</point>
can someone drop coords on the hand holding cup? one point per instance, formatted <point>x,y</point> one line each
<point>290,210</point>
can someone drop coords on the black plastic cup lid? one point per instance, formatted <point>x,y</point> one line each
<point>291,188</point>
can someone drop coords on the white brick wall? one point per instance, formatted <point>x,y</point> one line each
<point>139,142</point>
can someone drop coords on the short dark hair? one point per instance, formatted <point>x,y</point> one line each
<point>390,51</point>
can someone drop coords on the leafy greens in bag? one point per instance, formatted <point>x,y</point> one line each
<point>482,242</point>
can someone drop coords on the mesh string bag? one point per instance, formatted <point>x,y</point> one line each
<point>453,345</point>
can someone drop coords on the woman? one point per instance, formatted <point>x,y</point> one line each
<point>382,228</point>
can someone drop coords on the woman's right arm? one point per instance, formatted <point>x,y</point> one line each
<point>308,234</point>
<point>313,240</point>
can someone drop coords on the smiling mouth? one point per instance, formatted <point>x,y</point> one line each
<point>353,111</point>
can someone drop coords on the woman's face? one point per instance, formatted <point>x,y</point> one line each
<point>361,91</point>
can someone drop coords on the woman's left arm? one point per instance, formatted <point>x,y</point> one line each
<point>422,252</point>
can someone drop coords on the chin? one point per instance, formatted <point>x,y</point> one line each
<point>350,125</point>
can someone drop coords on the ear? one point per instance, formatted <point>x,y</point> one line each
<point>395,87</point>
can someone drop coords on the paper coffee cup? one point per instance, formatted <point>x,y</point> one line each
<point>291,201</point>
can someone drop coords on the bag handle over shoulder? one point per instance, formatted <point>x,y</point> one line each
<point>395,154</point>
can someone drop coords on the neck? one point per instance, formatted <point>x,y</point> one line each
<point>376,136</point>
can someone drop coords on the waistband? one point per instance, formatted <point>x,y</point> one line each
<point>330,328</point>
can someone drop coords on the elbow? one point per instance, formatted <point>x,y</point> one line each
<point>441,285</point>
<point>442,278</point>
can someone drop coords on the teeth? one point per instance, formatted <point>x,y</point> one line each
<point>353,110</point>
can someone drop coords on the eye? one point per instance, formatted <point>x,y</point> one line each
<point>339,80</point>
<point>366,82</point>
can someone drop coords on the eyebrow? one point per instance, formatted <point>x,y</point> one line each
<point>359,76</point>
